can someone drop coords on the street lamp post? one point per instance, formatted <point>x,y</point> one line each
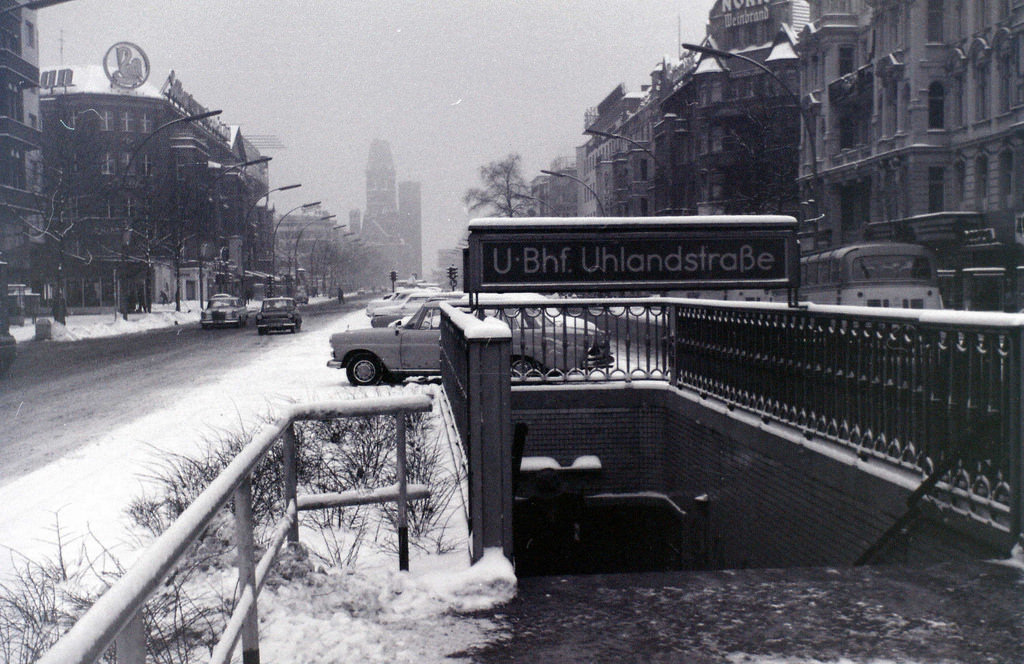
<point>232,169</point>
<point>657,162</point>
<point>804,116</point>
<point>127,170</point>
<point>295,247</point>
<point>600,205</point>
<point>273,237</point>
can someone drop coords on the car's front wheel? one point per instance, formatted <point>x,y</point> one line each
<point>365,369</point>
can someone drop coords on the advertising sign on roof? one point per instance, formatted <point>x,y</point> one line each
<point>126,66</point>
<point>627,254</point>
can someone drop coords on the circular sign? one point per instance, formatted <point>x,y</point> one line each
<point>126,65</point>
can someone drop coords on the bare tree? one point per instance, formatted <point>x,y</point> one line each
<point>504,191</point>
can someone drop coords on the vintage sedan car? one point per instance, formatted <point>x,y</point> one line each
<point>408,305</point>
<point>541,345</point>
<point>278,313</point>
<point>224,310</point>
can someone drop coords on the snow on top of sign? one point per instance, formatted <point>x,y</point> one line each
<point>91,79</point>
<point>591,222</point>
<point>474,328</point>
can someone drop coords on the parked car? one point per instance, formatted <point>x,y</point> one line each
<point>278,313</point>
<point>408,305</point>
<point>301,296</point>
<point>411,347</point>
<point>391,302</point>
<point>222,310</point>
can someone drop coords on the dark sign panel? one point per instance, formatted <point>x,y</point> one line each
<point>624,255</point>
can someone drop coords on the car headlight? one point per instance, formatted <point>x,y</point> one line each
<point>259,317</point>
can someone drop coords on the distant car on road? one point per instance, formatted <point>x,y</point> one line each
<point>278,313</point>
<point>223,310</point>
<point>411,347</point>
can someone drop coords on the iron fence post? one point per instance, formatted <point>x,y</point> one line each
<point>403,526</point>
<point>289,452</point>
<point>246,569</point>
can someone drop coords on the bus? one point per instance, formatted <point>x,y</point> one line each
<point>878,274</point>
<point>873,274</point>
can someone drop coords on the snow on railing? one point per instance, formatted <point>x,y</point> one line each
<point>117,614</point>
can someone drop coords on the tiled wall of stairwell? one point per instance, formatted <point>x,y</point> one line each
<point>774,503</point>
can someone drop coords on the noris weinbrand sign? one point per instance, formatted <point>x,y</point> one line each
<point>651,253</point>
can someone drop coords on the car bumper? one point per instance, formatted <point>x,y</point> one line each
<point>335,364</point>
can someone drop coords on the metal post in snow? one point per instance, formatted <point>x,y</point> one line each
<point>246,569</point>
<point>403,527</point>
<point>131,641</point>
<point>290,454</point>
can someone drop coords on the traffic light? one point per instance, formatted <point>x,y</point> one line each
<point>268,288</point>
<point>394,278</point>
<point>453,276</point>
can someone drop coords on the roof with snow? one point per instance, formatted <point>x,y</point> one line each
<point>91,79</point>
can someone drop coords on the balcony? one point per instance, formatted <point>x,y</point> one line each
<point>21,67</point>
<point>19,199</point>
<point>12,130</point>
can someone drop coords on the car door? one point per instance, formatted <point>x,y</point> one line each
<point>420,341</point>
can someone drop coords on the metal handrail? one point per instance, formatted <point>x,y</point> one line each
<point>119,607</point>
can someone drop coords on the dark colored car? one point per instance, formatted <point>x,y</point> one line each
<point>278,313</point>
<point>224,310</point>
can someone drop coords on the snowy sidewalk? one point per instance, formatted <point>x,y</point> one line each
<point>92,326</point>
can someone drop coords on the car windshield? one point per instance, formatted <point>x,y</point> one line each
<point>278,305</point>
<point>222,303</point>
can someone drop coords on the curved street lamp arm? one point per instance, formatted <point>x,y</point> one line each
<point>600,206</point>
<point>807,120</point>
<point>171,123</point>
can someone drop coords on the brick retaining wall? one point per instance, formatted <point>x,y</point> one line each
<point>777,500</point>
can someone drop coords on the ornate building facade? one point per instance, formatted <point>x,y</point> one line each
<point>917,108</point>
<point>143,203</point>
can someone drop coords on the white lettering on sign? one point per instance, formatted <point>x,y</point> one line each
<point>732,5</point>
<point>756,16</point>
<point>597,260</point>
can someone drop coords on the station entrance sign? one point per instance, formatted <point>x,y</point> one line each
<point>551,254</point>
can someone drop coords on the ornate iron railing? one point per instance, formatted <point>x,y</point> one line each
<point>911,387</point>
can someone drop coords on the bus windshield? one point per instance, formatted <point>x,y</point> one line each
<point>890,268</point>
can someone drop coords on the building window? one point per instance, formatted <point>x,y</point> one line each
<point>126,121</point>
<point>30,34</point>
<point>935,20</point>
<point>107,167</point>
<point>981,15</point>
<point>1005,80</point>
<point>936,106</point>
<point>33,120</point>
<point>936,188</point>
<point>147,165</point>
<point>125,159</point>
<point>1006,180</point>
<point>845,60</point>
<point>107,120</point>
<point>981,182</point>
<point>146,122</point>
<point>981,91</point>
<point>960,183</point>
<point>957,100</point>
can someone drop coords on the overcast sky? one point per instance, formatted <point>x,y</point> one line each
<point>450,84</point>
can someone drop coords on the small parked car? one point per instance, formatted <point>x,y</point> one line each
<point>408,305</point>
<point>223,310</point>
<point>411,347</point>
<point>278,313</point>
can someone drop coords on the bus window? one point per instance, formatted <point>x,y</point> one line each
<point>890,268</point>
